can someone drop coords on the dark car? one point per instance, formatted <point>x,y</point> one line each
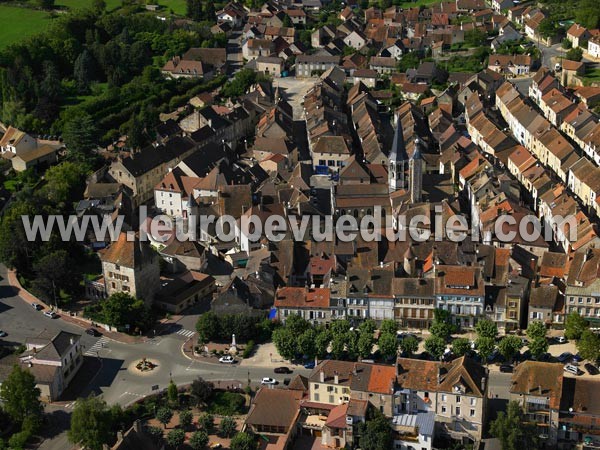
<point>506,368</point>
<point>591,369</point>
<point>282,370</point>
<point>309,365</point>
<point>287,381</point>
<point>92,332</point>
<point>576,359</point>
<point>563,357</point>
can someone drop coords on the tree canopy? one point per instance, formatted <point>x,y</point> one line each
<point>91,424</point>
<point>20,396</point>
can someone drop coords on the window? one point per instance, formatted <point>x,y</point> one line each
<point>443,397</point>
<point>458,410</point>
<point>472,413</point>
<point>473,401</point>
<point>316,397</point>
<point>458,399</point>
<point>443,410</point>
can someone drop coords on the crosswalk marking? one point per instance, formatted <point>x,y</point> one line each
<point>97,346</point>
<point>186,333</point>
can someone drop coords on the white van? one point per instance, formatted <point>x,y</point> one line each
<point>570,368</point>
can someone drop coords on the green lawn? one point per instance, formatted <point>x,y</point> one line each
<point>592,75</point>
<point>178,6</point>
<point>78,4</point>
<point>411,4</point>
<point>17,23</point>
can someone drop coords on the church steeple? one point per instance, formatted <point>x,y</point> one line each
<point>416,173</point>
<point>398,160</point>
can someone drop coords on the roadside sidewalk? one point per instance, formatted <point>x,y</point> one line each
<point>80,322</point>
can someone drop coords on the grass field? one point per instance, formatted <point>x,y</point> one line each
<point>178,6</point>
<point>411,4</point>
<point>78,4</point>
<point>17,23</point>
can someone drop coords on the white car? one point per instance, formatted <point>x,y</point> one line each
<point>561,339</point>
<point>51,314</point>
<point>570,368</point>
<point>267,380</point>
<point>3,333</point>
<point>227,359</point>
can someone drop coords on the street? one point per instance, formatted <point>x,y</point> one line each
<point>117,380</point>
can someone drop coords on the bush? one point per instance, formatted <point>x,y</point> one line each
<point>227,404</point>
<point>248,349</point>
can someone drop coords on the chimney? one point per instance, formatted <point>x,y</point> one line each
<point>483,381</point>
<point>71,341</point>
<point>322,376</point>
<point>137,426</point>
<point>336,378</point>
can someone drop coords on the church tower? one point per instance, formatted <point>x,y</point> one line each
<point>416,173</point>
<point>398,160</point>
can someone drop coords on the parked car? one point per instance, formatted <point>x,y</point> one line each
<point>287,381</point>
<point>282,370</point>
<point>227,359</point>
<point>524,341</point>
<point>561,340</point>
<point>591,369</point>
<point>267,380</point>
<point>564,357</point>
<point>92,332</point>
<point>576,359</point>
<point>309,365</point>
<point>36,306</point>
<point>570,368</point>
<point>3,333</point>
<point>51,314</point>
<point>506,368</point>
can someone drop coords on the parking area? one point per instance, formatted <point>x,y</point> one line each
<point>294,90</point>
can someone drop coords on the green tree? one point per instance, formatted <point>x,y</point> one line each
<point>286,342</point>
<point>201,391</point>
<point>368,327</point>
<point>485,347</point>
<point>486,328</point>
<point>409,345</point>
<point>172,393</point>
<point>307,343</point>
<point>575,325</point>
<point>45,4</point>
<point>297,325</point>
<point>54,271</point>
<point>575,54</point>
<point>206,422</point>
<point>20,396</point>
<point>194,10</point>
<point>207,327</point>
<point>589,346</point>
<point>461,346</point>
<point>338,345</point>
<point>388,344</point>
<point>243,441</point>
<point>176,438</point>
<point>536,329</point>
<point>352,344</point>
<point>185,419</point>
<point>121,309</point>
<point>339,327</point>
<point>239,84</point>
<point>91,424</point>
<point>65,184</point>
<point>513,431</point>
<point>84,71</point>
<point>322,342</point>
<point>538,346</point>
<point>365,344</point>
<point>199,440</point>
<point>376,434</point>
<point>509,346</point>
<point>227,427</point>
<point>567,44</point>
<point>435,346</point>
<point>80,134</point>
<point>548,27</point>
<point>388,326</point>
<point>287,22</point>
<point>135,133</point>
<point>164,415</point>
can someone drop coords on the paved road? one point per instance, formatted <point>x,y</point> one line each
<point>117,381</point>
